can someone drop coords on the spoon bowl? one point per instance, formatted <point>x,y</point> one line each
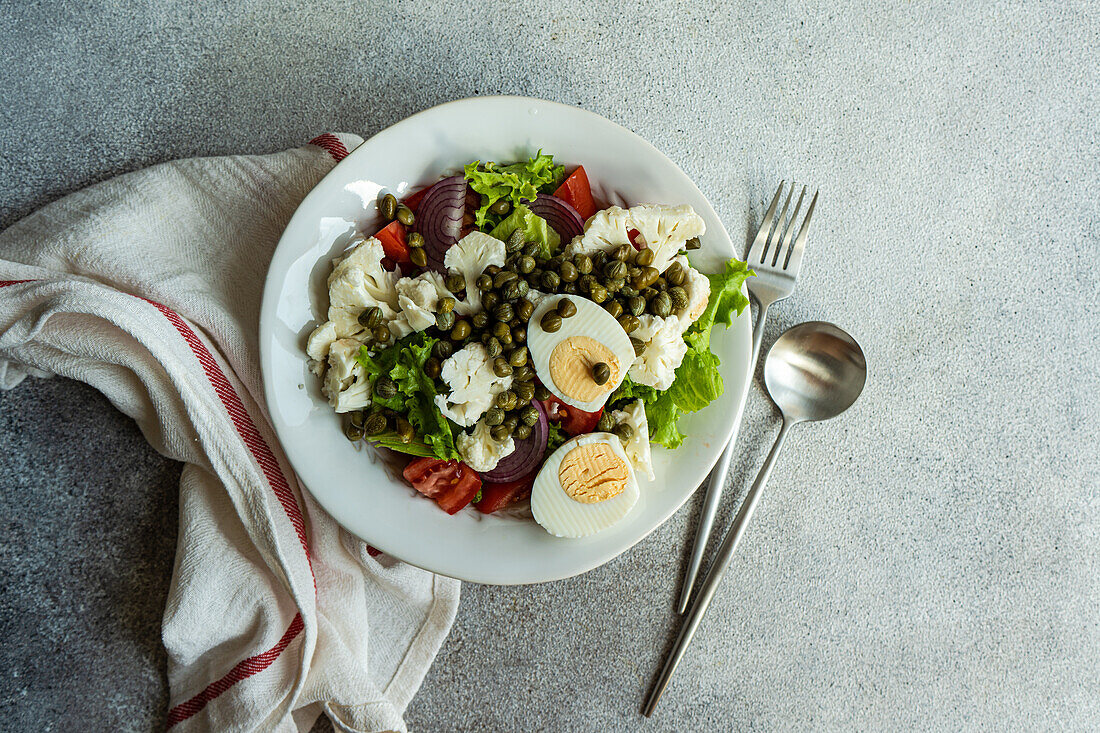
<point>814,371</point>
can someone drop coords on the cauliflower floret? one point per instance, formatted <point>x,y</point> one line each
<point>469,257</point>
<point>418,299</point>
<point>359,281</point>
<point>479,451</point>
<point>535,296</point>
<point>469,374</point>
<point>346,384</point>
<point>317,346</point>
<point>664,350</point>
<point>698,291</point>
<point>664,229</point>
<point>637,448</point>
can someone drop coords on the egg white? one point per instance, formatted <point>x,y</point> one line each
<point>563,516</point>
<point>590,320</point>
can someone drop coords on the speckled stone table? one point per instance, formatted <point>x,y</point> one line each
<point>930,561</point>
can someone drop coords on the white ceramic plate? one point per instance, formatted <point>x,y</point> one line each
<point>350,481</point>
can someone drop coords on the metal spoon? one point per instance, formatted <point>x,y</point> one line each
<point>814,371</point>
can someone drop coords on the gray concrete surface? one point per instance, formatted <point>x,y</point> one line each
<point>929,562</point>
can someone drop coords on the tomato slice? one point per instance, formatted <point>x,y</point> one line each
<point>576,191</point>
<point>496,496</point>
<point>452,484</point>
<point>413,201</point>
<point>633,235</point>
<point>392,237</point>
<point>573,420</point>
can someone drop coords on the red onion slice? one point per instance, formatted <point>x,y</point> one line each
<point>527,455</point>
<point>561,217</point>
<point>439,218</point>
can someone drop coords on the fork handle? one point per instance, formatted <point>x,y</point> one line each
<point>758,333</point>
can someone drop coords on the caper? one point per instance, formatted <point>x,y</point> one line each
<point>523,374</point>
<point>648,294</point>
<point>566,308</point>
<point>415,239</point>
<point>675,274</point>
<point>515,242</point>
<point>388,207</point>
<point>506,400</point>
<point>375,424</point>
<point>622,252</point>
<point>519,334</point>
<point>601,372</point>
<point>679,297</point>
<point>405,215</point>
<point>629,323</point>
<point>524,309</point>
<point>445,321</point>
<point>353,433</point>
<point>511,422</point>
<point>647,277</point>
<point>503,277</point>
<point>627,291</point>
<point>554,262</point>
<point>542,393</point>
<point>599,259</point>
<point>517,357</point>
<point>491,270</point>
<point>524,391</point>
<point>431,368</point>
<point>550,281</point>
<point>370,317</point>
<point>614,307</point>
<point>531,249</point>
<point>446,305</point>
<point>660,284</point>
<point>443,349</point>
<point>480,319</point>
<point>551,322</point>
<point>461,331</point>
<point>500,207</point>
<point>661,305</point>
<point>501,367</point>
<point>490,300</point>
<point>568,272</point>
<point>525,264</point>
<point>505,338</point>
<point>484,282</point>
<point>511,290</point>
<point>583,263</point>
<point>644,258</point>
<point>356,417</point>
<point>693,243</point>
<point>586,282</point>
<point>384,388</point>
<point>569,289</point>
<point>529,415</point>
<point>534,279</point>
<point>615,285</point>
<point>494,416</point>
<point>500,433</point>
<point>522,432</point>
<point>624,431</point>
<point>598,293</point>
<point>455,283</point>
<point>500,330</point>
<point>503,312</point>
<point>522,288</point>
<point>639,346</point>
<point>606,422</point>
<point>381,334</point>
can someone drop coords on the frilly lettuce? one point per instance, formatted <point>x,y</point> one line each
<point>516,182</point>
<point>534,228</point>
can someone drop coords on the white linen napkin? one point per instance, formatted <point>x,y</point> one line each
<point>148,288</point>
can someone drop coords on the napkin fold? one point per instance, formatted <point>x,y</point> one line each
<point>147,287</point>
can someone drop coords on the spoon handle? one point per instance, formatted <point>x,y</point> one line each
<point>715,574</point>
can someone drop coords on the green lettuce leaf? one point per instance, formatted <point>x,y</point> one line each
<point>534,228</point>
<point>515,182</point>
<point>725,298</point>
<point>556,437</point>
<point>698,381</point>
<point>403,362</point>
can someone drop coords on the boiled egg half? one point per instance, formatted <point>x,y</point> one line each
<point>585,486</point>
<point>564,360</point>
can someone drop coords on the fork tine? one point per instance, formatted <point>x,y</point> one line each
<point>778,231</point>
<point>788,234</point>
<point>795,261</point>
<point>756,252</point>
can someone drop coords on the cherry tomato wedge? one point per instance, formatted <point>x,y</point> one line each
<point>571,419</point>
<point>576,191</point>
<point>496,496</point>
<point>452,484</point>
<point>392,237</point>
<point>633,235</point>
<point>413,200</point>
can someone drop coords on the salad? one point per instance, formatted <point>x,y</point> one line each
<point>517,340</point>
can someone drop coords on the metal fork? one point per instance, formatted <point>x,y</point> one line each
<point>777,264</point>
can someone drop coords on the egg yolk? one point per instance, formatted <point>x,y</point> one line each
<point>571,364</point>
<point>592,473</point>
